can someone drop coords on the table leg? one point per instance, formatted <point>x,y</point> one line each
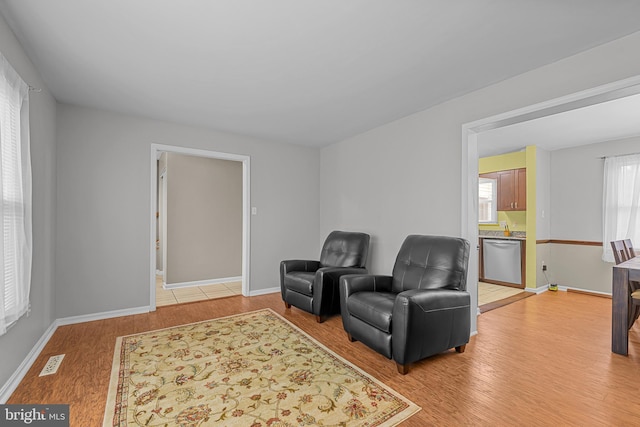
<point>620,311</point>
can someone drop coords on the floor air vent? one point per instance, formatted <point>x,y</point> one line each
<point>52,365</point>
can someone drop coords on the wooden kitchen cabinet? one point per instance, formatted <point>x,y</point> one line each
<point>512,190</point>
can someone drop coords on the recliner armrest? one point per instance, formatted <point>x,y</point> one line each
<point>325,286</point>
<point>433,299</point>
<point>308,266</point>
<point>337,272</point>
<point>330,276</point>
<point>353,283</point>
<point>441,314</point>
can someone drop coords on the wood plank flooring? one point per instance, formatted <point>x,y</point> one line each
<point>541,361</point>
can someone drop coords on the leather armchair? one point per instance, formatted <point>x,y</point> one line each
<point>422,309</point>
<point>313,285</point>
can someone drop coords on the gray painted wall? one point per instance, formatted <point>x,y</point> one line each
<point>20,339</point>
<point>576,188</point>
<point>104,196</point>
<point>543,213</point>
<point>543,194</point>
<point>204,218</point>
<point>405,177</point>
<point>576,214</point>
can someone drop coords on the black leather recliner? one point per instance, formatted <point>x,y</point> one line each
<point>313,285</point>
<point>421,310</point>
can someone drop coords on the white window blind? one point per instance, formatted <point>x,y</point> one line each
<point>487,200</point>
<point>621,202</point>
<point>15,189</point>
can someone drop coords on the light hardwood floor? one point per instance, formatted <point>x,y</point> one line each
<point>541,361</point>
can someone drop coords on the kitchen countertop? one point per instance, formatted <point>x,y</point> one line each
<point>503,237</point>
<point>496,234</point>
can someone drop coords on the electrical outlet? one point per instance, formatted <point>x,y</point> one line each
<point>52,365</point>
<point>544,267</point>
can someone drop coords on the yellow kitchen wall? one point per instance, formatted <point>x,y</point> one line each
<point>503,162</point>
<point>518,220</point>
<point>515,220</point>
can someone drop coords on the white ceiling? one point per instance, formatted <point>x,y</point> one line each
<point>601,122</point>
<point>309,72</point>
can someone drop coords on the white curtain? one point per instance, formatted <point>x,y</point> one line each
<point>621,202</point>
<point>15,196</point>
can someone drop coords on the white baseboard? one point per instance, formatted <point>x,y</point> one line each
<point>101,316</point>
<point>201,282</point>
<point>264,291</point>
<point>586,291</point>
<point>12,383</point>
<point>545,288</point>
<point>538,290</point>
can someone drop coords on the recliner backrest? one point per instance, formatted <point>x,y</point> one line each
<point>345,249</point>
<point>431,262</point>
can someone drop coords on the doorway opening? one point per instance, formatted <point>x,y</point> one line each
<point>471,150</point>
<point>158,253</point>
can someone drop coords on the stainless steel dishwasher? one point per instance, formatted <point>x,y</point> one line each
<point>502,260</point>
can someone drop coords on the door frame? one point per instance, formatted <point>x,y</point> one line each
<point>155,152</point>
<point>162,209</point>
<point>470,131</point>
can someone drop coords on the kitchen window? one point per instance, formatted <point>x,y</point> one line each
<point>488,200</point>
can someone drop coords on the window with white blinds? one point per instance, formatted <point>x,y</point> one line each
<point>487,200</point>
<point>621,202</point>
<point>15,189</point>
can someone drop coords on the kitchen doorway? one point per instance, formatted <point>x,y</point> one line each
<point>470,136</point>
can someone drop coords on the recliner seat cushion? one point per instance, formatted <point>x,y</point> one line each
<point>300,281</point>
<point>373,308</point>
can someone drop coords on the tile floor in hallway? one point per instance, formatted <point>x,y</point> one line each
<point>488,292</point>
<point>195,293</point>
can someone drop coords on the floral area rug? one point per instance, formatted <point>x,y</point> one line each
<point>252,369</point>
